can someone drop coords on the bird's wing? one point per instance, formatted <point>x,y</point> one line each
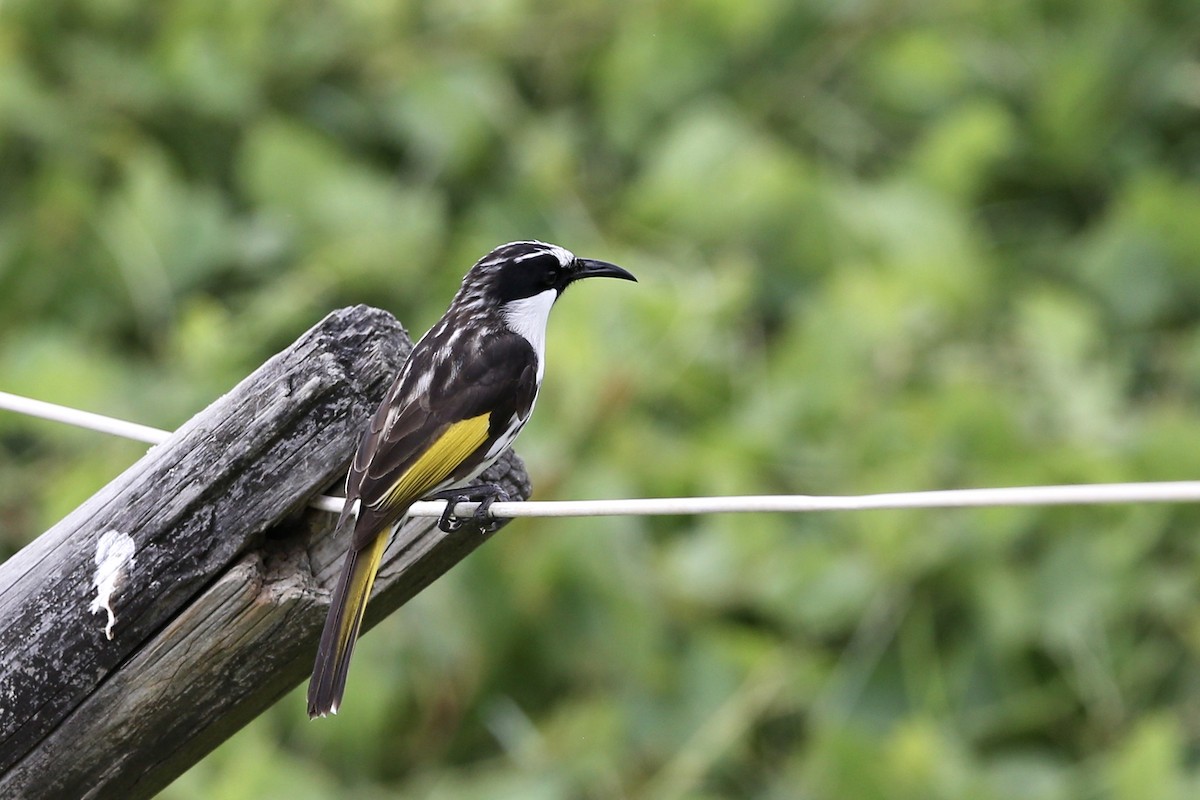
<point>438,422</point>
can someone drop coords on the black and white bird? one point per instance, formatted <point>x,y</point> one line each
<point>464,394</point>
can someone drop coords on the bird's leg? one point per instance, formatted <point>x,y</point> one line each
<point>483,493</point>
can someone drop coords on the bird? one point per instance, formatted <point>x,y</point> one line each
<point>466,390</point>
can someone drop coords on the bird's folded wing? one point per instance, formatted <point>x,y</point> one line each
<point>417,440</point>
<point>448,450</point>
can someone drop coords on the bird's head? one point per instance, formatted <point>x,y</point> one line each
<point>521,280</point>
<point>520,270</point>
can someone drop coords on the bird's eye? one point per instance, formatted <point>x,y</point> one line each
<point>551,271</point>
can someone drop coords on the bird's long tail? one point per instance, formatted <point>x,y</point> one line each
<point>346,610</point>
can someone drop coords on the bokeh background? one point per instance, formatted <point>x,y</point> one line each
<point>882,246</point>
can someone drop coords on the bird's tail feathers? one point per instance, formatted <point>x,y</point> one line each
<point>346,610</point>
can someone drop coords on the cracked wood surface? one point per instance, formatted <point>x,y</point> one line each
<point>219,613</point>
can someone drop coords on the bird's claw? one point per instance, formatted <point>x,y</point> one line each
<point>485,495</point>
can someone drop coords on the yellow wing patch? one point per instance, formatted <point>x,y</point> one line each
<point>438,461</point>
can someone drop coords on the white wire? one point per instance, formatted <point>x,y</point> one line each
<point>1090,494</point>
<point>82,419</point>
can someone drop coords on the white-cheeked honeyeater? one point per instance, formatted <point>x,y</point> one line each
<point>464,394</point>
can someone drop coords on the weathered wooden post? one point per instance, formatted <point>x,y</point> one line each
<point>216,575</point>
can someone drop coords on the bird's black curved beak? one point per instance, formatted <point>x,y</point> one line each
<point>591,268</point>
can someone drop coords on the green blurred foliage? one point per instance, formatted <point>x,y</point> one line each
<point>882,246</point>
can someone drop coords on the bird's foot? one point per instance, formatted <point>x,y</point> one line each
<point>484,493</point>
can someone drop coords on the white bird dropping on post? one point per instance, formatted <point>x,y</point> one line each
<point>114,553</point>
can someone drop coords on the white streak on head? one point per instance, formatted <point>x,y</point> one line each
<point>528,317</point>
<point>563,255</point>
<point>114,556</point>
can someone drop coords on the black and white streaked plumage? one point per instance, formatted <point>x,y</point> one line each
<point>464,394</point>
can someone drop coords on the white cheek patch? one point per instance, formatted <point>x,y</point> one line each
<point>114,557</point>
<point>528,317</point>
